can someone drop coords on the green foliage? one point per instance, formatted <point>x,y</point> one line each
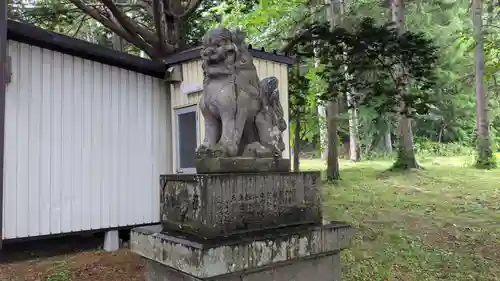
<point>426,148</point>
<point>371,56</point>
<point>266,22</point>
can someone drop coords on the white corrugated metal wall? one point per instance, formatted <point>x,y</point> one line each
<point>85,144</point>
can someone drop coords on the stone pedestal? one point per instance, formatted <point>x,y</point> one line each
<point>291,253</point>
<point>211,205</point>
<point>242,226</point>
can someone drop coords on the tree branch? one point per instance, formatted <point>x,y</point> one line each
<point>159,19</point>
<point>127,24</point>
<point>94,13</point>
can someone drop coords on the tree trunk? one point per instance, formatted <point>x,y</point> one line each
<point>406,156</point>
<point>485,157</point>
<point>353,130</point>
<point>332,171</point>
<point>332,110</point>
<point>296,145</point>
<point>323,131</point>
<point>388,139</point>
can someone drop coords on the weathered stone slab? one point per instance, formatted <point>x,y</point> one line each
<point>212,205</point>
<point>249,253</point>
<point>319,268</point>
<point>241,165</point>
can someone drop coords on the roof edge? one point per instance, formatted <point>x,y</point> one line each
<point>36,36</point>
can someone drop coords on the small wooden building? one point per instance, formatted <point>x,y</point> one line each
<point>88,131</point>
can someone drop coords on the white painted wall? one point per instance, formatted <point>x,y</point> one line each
<point>85,144</point>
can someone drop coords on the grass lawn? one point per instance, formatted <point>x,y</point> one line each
<point>441,223</point>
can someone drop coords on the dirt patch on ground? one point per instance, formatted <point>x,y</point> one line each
<point>88,266</point>
<point>65,259</point>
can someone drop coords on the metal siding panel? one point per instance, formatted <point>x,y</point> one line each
<point>116,175</point>
<point>88,80</point>
<point>97,141</point>
<point>256,62</point>
<point>161,151</point>
<point>38,179</point>
<point>141,147</point>
<point>54,61</point>
<point>134,160</point>
<point>22,137</point>
<point>167,133</point>
<point>77,153</point>
<point>199,71</point>
<point>174,99</point>
<point>123,143</point>
<point>67,188</point>
<point>43,139</point>
<point>107,145</point>
<point>265,69</point>
<point>11,144</point>
<point>156,138</point>
<point>148,165</point>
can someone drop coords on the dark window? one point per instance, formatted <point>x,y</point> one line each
<point>187,139</point>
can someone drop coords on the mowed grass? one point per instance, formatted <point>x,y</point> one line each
<point>440,223</point>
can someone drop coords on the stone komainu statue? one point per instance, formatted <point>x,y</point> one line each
<point>243,116</point>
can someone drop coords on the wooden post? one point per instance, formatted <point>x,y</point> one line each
<point>3,86</point>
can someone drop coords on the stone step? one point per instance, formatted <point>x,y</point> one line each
<point>214,205</point>
<point>223,259</point>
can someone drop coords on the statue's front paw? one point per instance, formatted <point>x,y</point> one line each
<point>257,150</point>
<point>218,151</point>
<point>201,150</point>
<point>211,151</point>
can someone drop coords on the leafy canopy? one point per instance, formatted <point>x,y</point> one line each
<point>365,61</point>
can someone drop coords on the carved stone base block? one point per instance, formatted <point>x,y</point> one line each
<point>213,205</point>
<point>292,253</point>
<point>241,165</point>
